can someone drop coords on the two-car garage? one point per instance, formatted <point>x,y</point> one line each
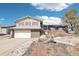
<point>26,33</point>
<point>22,33</point>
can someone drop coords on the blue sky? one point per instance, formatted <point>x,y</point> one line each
<point>10,12</point>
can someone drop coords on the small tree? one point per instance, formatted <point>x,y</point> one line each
<point>70,18</point>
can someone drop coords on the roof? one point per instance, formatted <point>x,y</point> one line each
<point>7,26</point>
<point>25,28</point>
<point>3,25</point>
<point>52,24</point>
<point>26,17</point>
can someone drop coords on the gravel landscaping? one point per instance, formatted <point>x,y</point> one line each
<point>63,47</point>
<point>47,49</point>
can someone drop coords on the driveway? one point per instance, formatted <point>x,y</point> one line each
<point>9,45</point>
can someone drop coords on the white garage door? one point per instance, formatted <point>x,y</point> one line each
<point>22,35</point>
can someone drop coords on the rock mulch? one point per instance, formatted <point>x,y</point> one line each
<point>73,50</point>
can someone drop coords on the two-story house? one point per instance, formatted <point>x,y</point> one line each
<point>26,27</point>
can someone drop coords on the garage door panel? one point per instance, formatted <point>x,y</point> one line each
<point>22,35</point>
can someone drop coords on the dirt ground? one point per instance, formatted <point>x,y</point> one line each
<point>52,49</point>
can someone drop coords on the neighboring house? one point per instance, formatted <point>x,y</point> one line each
<point>53,27</point>
<point>4,29</point>
<point>26,27</point>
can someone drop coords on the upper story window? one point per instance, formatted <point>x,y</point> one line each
<point>28,23</point>
<point>20,24</point>
<point>34,23</point>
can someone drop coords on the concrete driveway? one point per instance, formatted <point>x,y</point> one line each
<point>9,45</point>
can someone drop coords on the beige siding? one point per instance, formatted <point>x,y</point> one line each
<point>35,33</point>
<point>28,23</point>
<point>21,30</point>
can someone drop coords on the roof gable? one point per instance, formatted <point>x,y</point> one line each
<point>26,17</point>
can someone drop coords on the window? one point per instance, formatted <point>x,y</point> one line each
<point>34,23</point>
<point>28,23</point>
<point>21,24</point>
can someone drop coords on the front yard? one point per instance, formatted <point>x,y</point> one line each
<point>52,49</point>
<point>64,46</point>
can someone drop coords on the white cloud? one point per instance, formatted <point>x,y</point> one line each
<point>51,6</point>
<point>50,20</point>
<point>2,19</point>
